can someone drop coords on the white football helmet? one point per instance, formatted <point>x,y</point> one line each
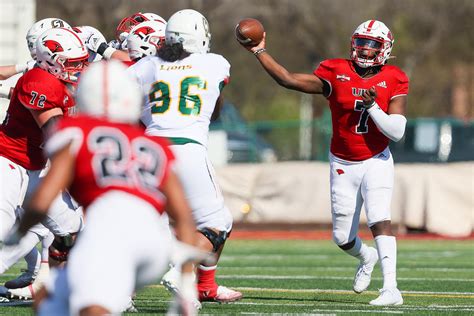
<point>129,22</point>
<point>86,34</point>
<point>38,28</point>
<point>371,44</point>
<point>190,28</point>
<point>61,53</point>
<point>145,38</point>
<point>106,90</point>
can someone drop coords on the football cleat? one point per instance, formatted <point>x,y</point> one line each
<point>4,300</point>
<point>170,281</point>
<point>29,292</point>
<point>23,280</point>
<point>222,295</point>
<point>130,307</point>
<point>388,297</point>
<point>364,272</point>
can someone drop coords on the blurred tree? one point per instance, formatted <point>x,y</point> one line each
<point>433,44</point>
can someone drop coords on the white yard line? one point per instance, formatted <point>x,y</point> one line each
<point>307,277</point>
<point>427,293</point>
<point>352,268</point>
<point>370,309</point>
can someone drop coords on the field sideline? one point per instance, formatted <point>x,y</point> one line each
<point>315,277</point>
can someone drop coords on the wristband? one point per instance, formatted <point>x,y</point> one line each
<point>21,68</point>
<point>259,51</point>
<point>102,48</point>
<point>109,52</point>
<point>105,50</point>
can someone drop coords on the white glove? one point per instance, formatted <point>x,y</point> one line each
<point>115,44</point>
<point>182,253</point>
<point>21,68</point>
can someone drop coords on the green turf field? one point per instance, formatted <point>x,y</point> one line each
<point>315,277</point>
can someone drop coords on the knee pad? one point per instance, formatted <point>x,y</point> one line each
<point>217,239</point>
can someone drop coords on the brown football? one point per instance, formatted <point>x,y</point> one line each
<point>249,32</point>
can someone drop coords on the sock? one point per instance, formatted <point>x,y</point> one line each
<point>33,261</point>
<point>360,251</point>
<point>207,280</point>
<point>387,249</point>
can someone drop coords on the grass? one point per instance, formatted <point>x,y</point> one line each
<point>315,277</point>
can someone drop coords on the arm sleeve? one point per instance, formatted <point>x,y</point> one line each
<point>391,125</point>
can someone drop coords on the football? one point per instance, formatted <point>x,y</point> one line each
<point>249,32</point>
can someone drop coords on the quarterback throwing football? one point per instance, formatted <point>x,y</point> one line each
<point>367,99</point>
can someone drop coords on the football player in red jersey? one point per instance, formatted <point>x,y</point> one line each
<point>367,99</point>
<point>123,179</point>
<point>39,99</point>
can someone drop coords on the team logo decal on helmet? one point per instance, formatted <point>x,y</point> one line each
<point>144,31</point>
<point>53,46</point>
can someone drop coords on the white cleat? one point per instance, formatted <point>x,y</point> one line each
<point>226,295</point>
<point>364,272</point>
<point>171,280</point>
<point>388,297</point>
<point>130,307</point>
<point>29,292</point>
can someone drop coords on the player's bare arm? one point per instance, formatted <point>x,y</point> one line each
<point>391,124</point>
<point>217,108</point>
<point>307,83</point>
<point>10,70</point>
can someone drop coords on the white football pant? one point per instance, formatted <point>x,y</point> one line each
<point>203,194</point>
<point>368,182</point>
<point>124,246</point>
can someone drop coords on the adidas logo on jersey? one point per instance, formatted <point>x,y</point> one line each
<point>382,84</point>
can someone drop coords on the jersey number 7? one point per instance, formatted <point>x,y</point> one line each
<point>362,126</point>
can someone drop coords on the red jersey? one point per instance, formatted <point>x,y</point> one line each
<point>113,156</point>
<point>355,136</point>
<point>129,63</point>
<point>21,138</point>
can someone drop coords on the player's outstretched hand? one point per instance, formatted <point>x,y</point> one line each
<point>368,97</point>
<point>260,45</point>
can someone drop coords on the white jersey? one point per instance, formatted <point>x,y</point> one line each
<point>180,97</point>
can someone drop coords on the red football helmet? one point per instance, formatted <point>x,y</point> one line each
<point>129,22</point>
